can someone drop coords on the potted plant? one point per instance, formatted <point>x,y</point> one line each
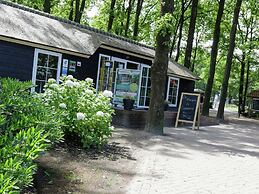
<point>128,102</point>
<point>166,105</point>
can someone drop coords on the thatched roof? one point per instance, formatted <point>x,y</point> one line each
<point>26,24</point>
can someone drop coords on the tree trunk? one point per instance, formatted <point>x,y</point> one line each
<point>111,15</point>
<point>71,13</point>
<point>77,10</point>
<point>46,6</point>
<point>174,38</point>
<point>188,51</point>
<point>213,59</point>
<point>129,9</point>
<point>155,121</point>
<point>136,23</point>
<point>241,85</point>
<point>246,84</point>
<point>81,11</point>
<point>180,33</point>
<point>195,52</point>
<point>224,87</point>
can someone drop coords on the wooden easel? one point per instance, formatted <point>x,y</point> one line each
<point>196,119</point>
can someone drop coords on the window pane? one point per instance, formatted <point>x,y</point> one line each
<point>42,60</point>
<point>40,85</point>
<point>53,62</point>
<point>132,65</point>
<point>51,73</point>
<point>41,73</point>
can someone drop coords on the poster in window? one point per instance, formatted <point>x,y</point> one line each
<point>72,66</point>
<point>126,84</point>
<point>64,67</point>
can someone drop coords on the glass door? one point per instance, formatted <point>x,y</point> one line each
<point>46,65</point>
<point>117,64</point>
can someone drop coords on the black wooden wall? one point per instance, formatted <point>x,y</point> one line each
<point>16,61</point>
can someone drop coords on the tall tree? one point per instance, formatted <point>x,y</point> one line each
<point>79,10</point>
<point>213,59</point>
<point>224,87</point>
<point>136,22</point>
<point>46,6</point>
<point>111,15</point>
<point>188,50</point>
<point>129,9</point>
<point>155,121</point>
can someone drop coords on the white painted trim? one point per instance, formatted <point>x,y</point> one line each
<point>167,93</point>
<point>35,64</point>
<point>98,71</point>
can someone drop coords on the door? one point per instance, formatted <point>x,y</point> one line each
<point>46,65</point>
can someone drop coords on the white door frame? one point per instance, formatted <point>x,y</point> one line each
<point>140,80</point>
<point>35,64</point>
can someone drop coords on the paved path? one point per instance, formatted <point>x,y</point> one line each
<point>217,159</point>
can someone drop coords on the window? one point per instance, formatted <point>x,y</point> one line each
<point>103,75</point>
<point>46,65</point>
<point>145,86</point>
<point>172,91</point>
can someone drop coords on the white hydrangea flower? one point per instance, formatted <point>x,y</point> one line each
<point>70,77</point>
<point>89,92</point>
<point>63,105</point>
<point>54,85</point>
<point>100,114</point>
<point>51,80</point>
<point>69,83</point>
<point>76,84</point>
<point>111,128</point>
<point>80,116</point>
<point>89,80</point>
<point>107,93</point>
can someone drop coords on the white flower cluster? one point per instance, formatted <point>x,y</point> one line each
<point>89,80</point>
<point>51,80</point>
<point>90,92</point>
<point>100,114</point>
<point>80,116</point>
<point>63,105</point>
<point>70,77</point>
<point>107,93</point>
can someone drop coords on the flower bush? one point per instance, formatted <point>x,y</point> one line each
<point>85,114</point>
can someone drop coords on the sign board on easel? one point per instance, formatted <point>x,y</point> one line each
<point>189,109</point>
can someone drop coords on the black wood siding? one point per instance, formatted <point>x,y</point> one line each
<point>16,61</point>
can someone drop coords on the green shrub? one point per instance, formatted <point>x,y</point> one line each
<point>85,114</point>
<point>27,128</point>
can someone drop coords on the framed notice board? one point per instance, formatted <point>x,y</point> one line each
<point>189,109</point>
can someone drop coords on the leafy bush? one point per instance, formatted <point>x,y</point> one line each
<point>26,126</point>
<point>85,114</point>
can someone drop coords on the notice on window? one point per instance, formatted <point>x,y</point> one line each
<point>126,85</point>
<point>64,67</point>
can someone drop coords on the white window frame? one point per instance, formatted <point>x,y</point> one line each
<point>168,85</point>
<point>141,68</point>
<point>99,66</point>
<point>35,64</point>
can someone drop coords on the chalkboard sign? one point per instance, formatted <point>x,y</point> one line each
<point>189,109</point>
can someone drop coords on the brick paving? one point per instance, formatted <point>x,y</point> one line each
<point>217,159</point>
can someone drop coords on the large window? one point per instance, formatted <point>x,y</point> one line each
<point>107,71</point>
<point>46,65</point>
<point>172,91</point>
<point>145,86</point>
